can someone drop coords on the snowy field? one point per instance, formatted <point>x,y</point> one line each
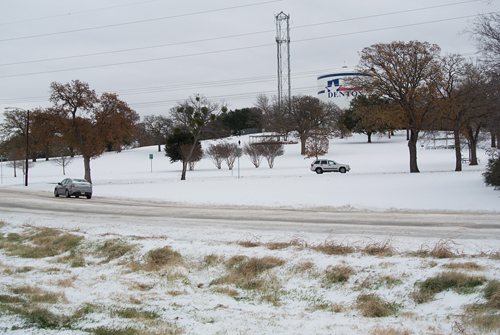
<point>108,283</point>
<point>378,181</point>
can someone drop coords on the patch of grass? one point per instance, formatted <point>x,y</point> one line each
<point>451,280</point>
<point>304,266</point>
<point>337,275</point>
<point>389,331</point>
<point>492,289</point>
<point>226,291</point>
<point>375,282</point>
<point>383,248</point>
<point>9,299</point>
<point>104,330</point>
<point>134,313</point>
<point>444,248</point>
<point>74,259</point>
<point>159,258</point>
<point>330,307</point>
<point>211,260</point>
<point>295,242</point>
<point>372,306</point>
<point>36,294</point>
<point>244,271</point>
<point>273,298</point>
<point>333,248</point>
<point>472,266</point>
<point>113,249</point>
<point>41,243</point>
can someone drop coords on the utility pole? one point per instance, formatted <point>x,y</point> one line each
<point>283,44</point>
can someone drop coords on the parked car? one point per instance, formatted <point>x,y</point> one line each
<point>327,165</point>
<point>77,187</point>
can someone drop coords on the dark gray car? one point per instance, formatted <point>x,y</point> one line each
<point>77,187</point>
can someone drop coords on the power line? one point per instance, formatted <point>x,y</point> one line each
<point>140,21</point>
<point>156,89</point>
<point>76,13</point>
<point>236,49</point>
<point>230,36</point>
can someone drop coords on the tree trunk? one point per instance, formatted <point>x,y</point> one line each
<point>472,139</point>
<point>184,168</point>
<point>303,140</point>
<point>369,134</point>
<point>412,145</point>
<point>493,140</point>
<point>86,164</point>
<point>407,134</point>
<point>458,153</point>
<point>159,147</point>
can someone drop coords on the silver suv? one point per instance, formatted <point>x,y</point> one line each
<point>327,165</point>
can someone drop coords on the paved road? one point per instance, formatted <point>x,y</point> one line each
<point>478,225</point>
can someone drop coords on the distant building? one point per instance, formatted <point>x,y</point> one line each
<point>331,87</point>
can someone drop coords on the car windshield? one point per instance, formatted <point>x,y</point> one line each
<point>80,180</point>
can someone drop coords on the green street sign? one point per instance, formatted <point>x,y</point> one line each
<point>150,156</point>
<point>3,157</point>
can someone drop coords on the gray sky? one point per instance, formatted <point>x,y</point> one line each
<point>154,53</point>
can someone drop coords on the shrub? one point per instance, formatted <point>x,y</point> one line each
<point>492,172</point>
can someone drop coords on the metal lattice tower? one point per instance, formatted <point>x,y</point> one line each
<point>283,43</point>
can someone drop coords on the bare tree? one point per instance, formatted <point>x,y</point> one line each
<point>63,155</point>
<point>254,153</point>
<point>230,152</point>
<point>270,150</point>
<point>486,31</point>
<point>215,153</point>
<point>196,155</point>
<point>159,127</point>
<point>317,145</point>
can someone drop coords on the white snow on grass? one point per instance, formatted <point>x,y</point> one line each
<point>293,298</point>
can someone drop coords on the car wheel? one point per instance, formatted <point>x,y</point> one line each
<point>89,196</point>
<point>66,194</point>
<point>319,171</point>
<point>342,170</point>
<point>77,196</point>
<point>56,194</point>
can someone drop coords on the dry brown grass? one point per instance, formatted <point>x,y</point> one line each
<point>65,282</point>
<point>159,258</point>
<point>337,275</point>
<point>374,282</point>
<point>389,331</point>
<point>40,243</point>
<point>272,245</point>
<point>450,280</point>
<point>444,248</point>
<point>372,306</point>
<point>304,266</point>
<point>226,291</point>
<point>113,249</point>
<point>244,271</point>
<point>382,248</point>
<point>334,248</point>
<point>471,266</point>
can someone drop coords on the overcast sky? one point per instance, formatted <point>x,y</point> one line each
<point>154,53</point>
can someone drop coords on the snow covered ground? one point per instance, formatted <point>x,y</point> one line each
<point>293,298</point>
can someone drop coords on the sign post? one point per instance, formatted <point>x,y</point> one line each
<point>1,169</point>
<point>151,159</point>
